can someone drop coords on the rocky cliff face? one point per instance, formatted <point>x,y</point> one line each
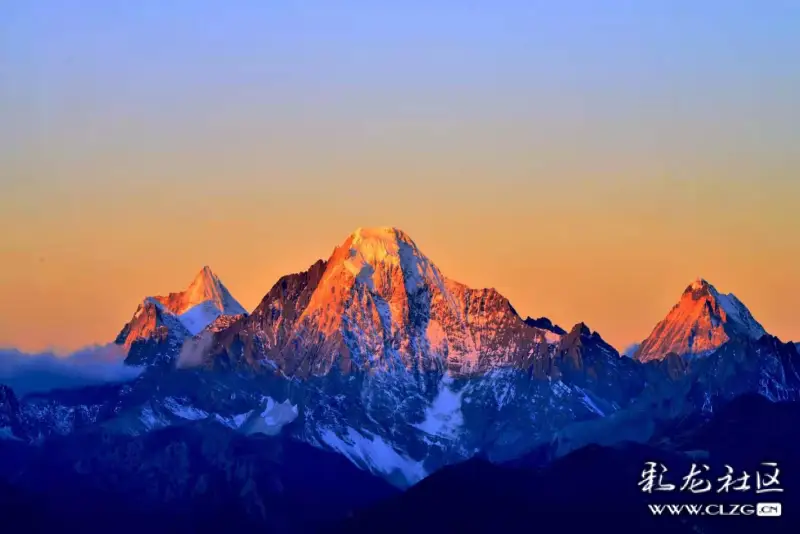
<point>189,478</point>
<point>378,304</point>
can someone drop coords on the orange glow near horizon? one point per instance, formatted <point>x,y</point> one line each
<point>587,163</point>
<point>597,258</point>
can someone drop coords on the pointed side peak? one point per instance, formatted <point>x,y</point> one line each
<point>206,287</point>
<point>205,284</point>
<point>702,321</point>
<point>183,313</point>
<point>206,274</point>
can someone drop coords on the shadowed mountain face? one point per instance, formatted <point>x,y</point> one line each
<point>601,485</point>
<point>10,422</point>
<point>182,479</point>
<point>200,477</point>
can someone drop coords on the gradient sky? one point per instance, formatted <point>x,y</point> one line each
<point>588,159</point>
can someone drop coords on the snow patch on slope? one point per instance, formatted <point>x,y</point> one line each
<point>271,419</point>
<point>276,415</point>
<point>183,411</point>
<point>589,403</point>
<point>374,454</point>
<point>234,421</point>
<point>197,318</point>
<point>443,417</point>
<point>151,420</point>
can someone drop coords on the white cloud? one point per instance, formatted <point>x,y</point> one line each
<point>27,373</point>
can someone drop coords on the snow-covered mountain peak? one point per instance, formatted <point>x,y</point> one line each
<point>185,312</point>
<point>380,265</point>
<point>380,233</point>
<point>206,286</point>
<point>371,255</point>
<point>380,303</point>
<point>703,320</point>
<point>202,302</point>
<point>376,245</point>
<point>730,309</point>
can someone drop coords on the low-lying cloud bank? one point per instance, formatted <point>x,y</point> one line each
<point>29,373</point>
